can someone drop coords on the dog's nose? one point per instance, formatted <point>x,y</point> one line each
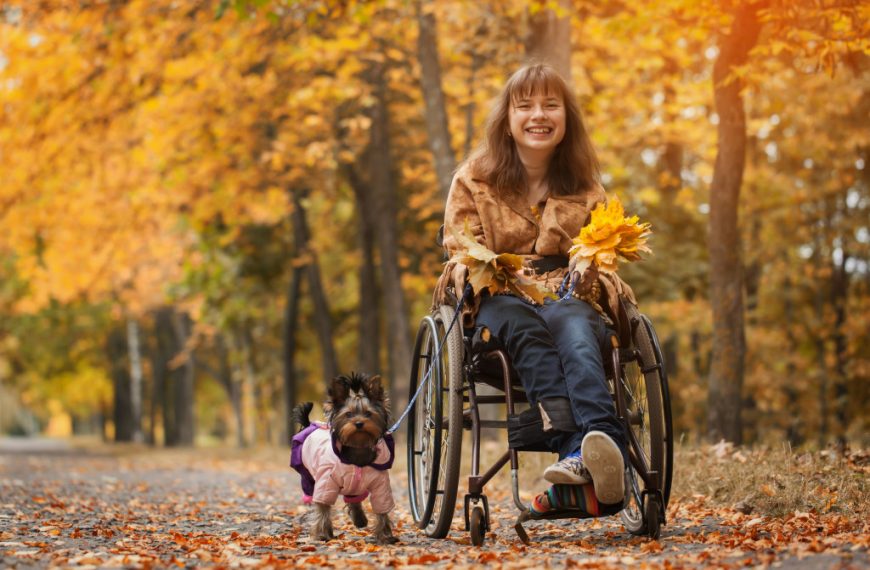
<point>359,425</point>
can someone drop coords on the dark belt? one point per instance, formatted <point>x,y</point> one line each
<point>548,263</point>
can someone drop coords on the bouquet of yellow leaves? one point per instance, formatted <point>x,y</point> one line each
<point>608,236</point>
<point>499,272</point>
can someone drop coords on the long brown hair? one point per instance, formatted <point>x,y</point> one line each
<point>574,166</point>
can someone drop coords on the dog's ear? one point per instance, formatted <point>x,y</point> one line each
<point>374,388</point>
<point>338,391</point>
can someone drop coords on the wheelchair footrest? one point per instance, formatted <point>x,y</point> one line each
<point>528,515</point>
<point>575,512</point>
<point>567,514</point>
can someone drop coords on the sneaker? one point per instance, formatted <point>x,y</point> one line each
<point>605,465</point>
<point>568,471</point>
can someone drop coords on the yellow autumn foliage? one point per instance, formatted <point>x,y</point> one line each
<point>608,236</point>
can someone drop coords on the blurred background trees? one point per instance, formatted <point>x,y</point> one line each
<point>210,207</point>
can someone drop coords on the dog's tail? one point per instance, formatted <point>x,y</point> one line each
<point>300,414</point>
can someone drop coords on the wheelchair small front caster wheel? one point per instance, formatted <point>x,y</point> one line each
<point>477,524</point>
<point>652,516</point>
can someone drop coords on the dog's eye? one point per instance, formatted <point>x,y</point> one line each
<point>349,414</point>
<point>368,414</point>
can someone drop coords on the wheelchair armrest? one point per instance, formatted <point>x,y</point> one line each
<point>626,321</point>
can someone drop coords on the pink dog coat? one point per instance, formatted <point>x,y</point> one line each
<point>325,476</point>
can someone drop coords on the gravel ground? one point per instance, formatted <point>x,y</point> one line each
<point>110,506</point>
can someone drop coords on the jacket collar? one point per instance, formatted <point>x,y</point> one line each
<point>514,200</point>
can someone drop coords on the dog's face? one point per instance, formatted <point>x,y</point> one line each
<point>358,410</point>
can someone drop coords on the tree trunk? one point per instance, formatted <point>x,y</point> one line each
<point>671,164</point>
<point>183,377</point>
<point>369,322</point>
<point>134,347</point>
<point>821,359</point>
<point>433,96</point>
<point>385,200</point>
<point>251,383</point>
<point>470,108</point>
<point>794,429</point>
<point>549,38</point>
<point>161,402</point>
<point>116,348</point>
<point>234,392</point>
<point>839,294</point>
<point>149,402</point>
<point>104,414</point>
<point>322,316</point>
<point>726,269</point>
<point>291,324</point>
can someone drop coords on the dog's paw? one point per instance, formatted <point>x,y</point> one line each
<point>383,540</point>
<point>357,516</point>
<point>359,520</point>
<point>323,535</point>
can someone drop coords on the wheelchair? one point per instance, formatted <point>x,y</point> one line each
<point>460,362</point>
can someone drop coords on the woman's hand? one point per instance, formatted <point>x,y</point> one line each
<point>585,281</point>
<point>460,278</point>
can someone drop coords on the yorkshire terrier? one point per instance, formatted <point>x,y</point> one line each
<point>350,455</point>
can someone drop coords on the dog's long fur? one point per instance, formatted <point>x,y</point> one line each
<point>358,415</point>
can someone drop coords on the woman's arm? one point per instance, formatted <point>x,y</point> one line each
<point>612,284</point>
<point>460,209</point>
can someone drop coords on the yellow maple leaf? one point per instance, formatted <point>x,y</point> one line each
<point>497,272</point>
<point>608,236</point>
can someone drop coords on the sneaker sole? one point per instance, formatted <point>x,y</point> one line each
<point>604,462</point>
<point>558,477</point>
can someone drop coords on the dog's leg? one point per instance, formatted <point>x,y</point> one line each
<point>356,514</point>
<point>384,530</point>
<point>322,527</point>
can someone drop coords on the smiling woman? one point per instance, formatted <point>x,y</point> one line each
<point>512,158</point>
<point>537,125</point>
<point>527,190</point>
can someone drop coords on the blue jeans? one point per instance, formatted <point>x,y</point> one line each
<point>556,349</point>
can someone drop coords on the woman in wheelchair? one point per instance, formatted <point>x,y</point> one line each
<point>527,190</point>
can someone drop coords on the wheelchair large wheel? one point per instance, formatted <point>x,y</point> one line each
<point>666,400</point>
<point>643,401</point>
<point>435,423</point>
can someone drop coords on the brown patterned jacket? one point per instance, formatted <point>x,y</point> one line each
<point>507,224</point>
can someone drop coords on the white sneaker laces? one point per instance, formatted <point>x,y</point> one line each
<point>575,465</point>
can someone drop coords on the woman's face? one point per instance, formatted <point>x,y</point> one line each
<point>537,122</point>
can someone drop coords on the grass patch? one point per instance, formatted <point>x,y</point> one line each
<point>775,482</point>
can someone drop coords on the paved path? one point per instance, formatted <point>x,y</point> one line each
<point>133,507</point>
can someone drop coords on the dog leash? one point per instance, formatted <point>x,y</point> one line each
<point>570,291</point>
<point>437,356</point>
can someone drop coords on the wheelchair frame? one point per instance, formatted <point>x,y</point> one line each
<point>637,381</point>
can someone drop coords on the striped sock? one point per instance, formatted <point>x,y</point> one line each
<point>540,504</point>
<point>580,497</point>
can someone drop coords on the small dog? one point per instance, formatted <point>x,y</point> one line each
<point>349,456</point>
